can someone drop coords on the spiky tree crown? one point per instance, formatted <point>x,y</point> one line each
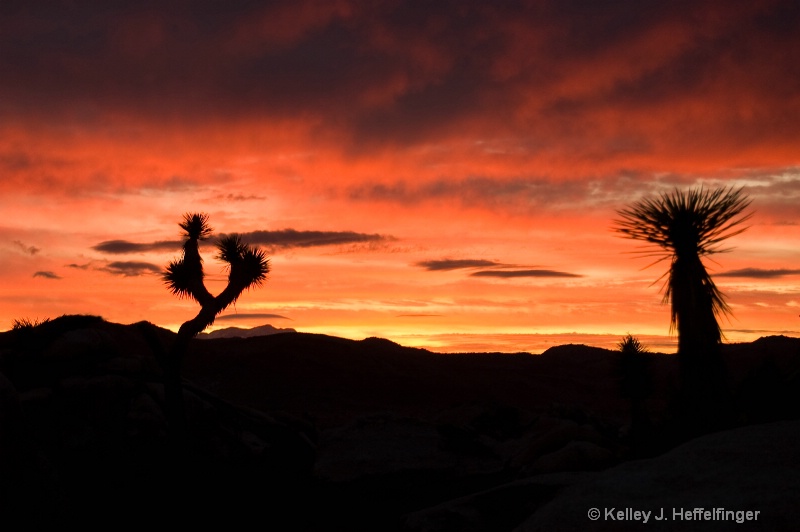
<point>195,226</point>
<point>686,222</point>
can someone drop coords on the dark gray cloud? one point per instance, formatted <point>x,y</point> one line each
<point>30,250</point>
<point>401,72</point>
<point>285,238</point>
<point>522,273</point>
<point>47,275</point>
<point>120,247</point>
<point>251,315</point>
<point>130,268</point>
<point>291,238</point>
<point>758,273</point>
<point>123,268</point>
<point>456,264</point>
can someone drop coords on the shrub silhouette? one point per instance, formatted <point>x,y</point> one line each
<point>27,323</point>
<point>685,227</point>
<point>247,267</point>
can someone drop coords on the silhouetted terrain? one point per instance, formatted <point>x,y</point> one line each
<point>312,432</point>
<point>237,332</point>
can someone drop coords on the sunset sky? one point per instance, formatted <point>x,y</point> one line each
<point>444,174</point>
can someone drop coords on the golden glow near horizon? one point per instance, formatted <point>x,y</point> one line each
<point>443,176</point>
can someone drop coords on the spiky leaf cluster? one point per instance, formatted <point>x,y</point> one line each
<point>195,226</point>
<point>693,222</point>
<point>248,266</point>
<point>631,345</point>
<point>178,277</point>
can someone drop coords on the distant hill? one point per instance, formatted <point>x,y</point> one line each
<point>238,332</point>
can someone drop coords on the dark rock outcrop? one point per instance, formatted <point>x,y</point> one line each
<point>83,436</point>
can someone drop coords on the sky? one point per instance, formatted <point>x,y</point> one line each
<point>444,174</point>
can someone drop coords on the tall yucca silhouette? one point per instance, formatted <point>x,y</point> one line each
<point>688,226</point>
<point>247,267</point>
<point>685,227</point>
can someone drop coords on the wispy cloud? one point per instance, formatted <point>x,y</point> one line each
<point>475,191</point>
<point>130,268</point>
<point>769,332</point>
<point>519,194</point>
<point>456,264</point>
<point>522,273</point>
<point>30,250</point>
<point>496,269</point>
<point>121,247</point>
<point>291,238</point>
<point>47,275</point>
<point>123,268</point>
<point>239,197</point>
<point>759,273</point>
<point>251,316</point>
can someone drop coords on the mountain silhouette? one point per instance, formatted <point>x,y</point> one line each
<point>238,332</point>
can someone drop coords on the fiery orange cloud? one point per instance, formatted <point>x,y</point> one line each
<point>360,142</point>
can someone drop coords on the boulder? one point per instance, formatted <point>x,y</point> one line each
<point>751,468</point>
<point>499,508</point>
<point>551,435</point>
<point>574,456</point>
<point>383,445</point>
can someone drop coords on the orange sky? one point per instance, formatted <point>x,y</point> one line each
<point>384,155</point>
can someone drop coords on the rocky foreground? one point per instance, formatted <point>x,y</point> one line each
<point>310,432</point>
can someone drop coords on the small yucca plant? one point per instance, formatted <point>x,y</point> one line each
<point>631,345</point>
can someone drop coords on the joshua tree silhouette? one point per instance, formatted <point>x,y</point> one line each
<point>688,226</point>
<point>247,267</point>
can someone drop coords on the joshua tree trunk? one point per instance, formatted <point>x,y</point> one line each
<point>704,392</point>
